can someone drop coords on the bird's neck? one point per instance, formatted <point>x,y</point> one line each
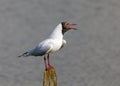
<point>57,33</point>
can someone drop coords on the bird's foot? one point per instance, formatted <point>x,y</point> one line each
<point>49,67</point>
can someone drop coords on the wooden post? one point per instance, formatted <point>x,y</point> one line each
<point>50,78</point>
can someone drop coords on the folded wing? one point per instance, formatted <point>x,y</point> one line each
<point>40,50</point>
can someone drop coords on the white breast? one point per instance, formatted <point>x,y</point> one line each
<point>56,45</point>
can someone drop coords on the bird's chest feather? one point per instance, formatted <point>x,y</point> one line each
<point>56,45</point>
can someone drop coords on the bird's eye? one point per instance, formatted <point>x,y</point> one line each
<point>67,23</point>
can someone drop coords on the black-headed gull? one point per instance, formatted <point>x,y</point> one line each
<point>52,44</point>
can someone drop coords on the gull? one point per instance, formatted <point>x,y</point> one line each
<point>52,44</point>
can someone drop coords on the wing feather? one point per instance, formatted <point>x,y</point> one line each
<point>40,50</point>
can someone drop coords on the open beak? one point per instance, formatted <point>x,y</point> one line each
<point>72,26</point>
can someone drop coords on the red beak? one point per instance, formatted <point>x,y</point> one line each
<point>73,24</point>
<point>73,27</point>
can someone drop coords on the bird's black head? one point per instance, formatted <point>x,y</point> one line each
<point>67,26</point>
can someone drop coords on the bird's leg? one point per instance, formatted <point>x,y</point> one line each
<point>49,65</point>
<point>48,58</point>
<point>45,62</point>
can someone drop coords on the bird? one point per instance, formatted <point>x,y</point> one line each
<point>53,43</point>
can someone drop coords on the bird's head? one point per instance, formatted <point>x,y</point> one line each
<point>67,26</point>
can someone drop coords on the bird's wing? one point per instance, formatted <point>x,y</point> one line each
<point>40,50</point>
<point>63,43</point>
<point>43,48</point>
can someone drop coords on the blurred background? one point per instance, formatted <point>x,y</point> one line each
<point>91,56</point>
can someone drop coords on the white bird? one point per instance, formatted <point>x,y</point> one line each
<point>52,44</point>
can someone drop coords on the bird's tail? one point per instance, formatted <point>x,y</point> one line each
<point>26,54</point>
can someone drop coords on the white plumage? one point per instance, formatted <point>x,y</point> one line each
<point>52,44</point>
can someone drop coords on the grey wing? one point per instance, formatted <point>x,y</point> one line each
<point>40,50</point>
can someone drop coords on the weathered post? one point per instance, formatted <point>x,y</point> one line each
<point>50,77</point>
